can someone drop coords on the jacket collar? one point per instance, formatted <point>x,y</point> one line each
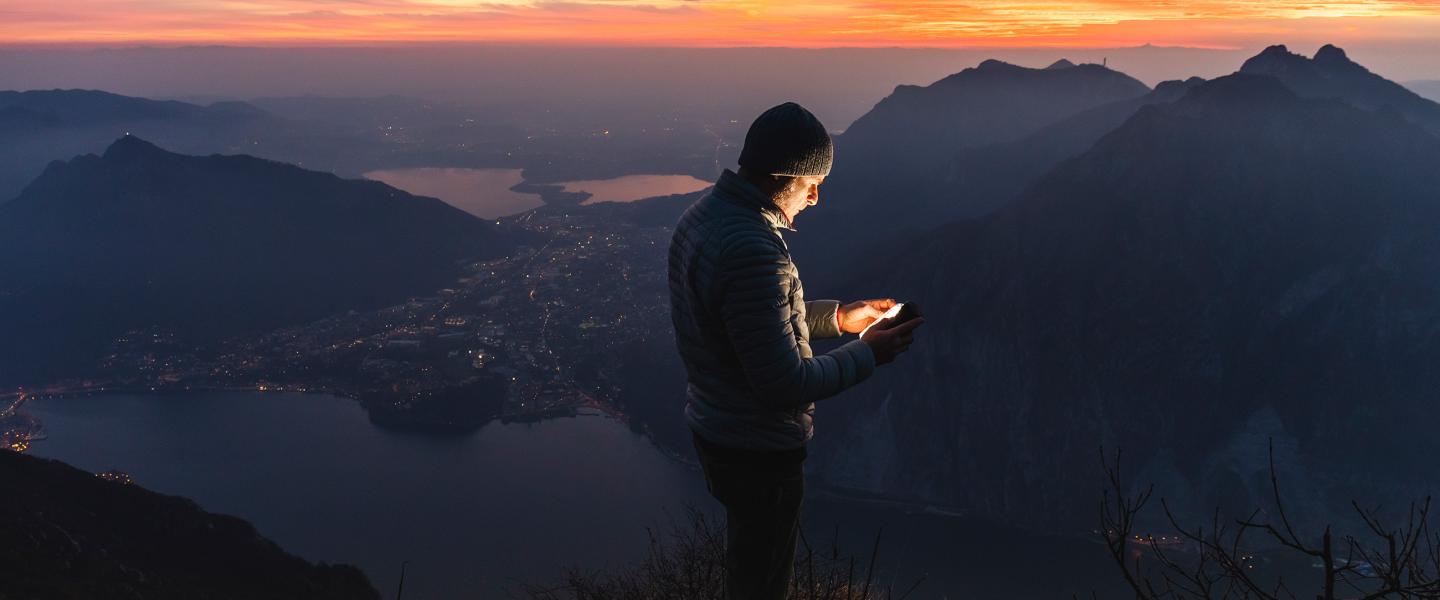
<point>734,188</point>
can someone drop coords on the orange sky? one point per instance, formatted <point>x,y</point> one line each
<point>934,23</point>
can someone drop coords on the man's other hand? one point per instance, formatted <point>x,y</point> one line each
<point>888,340</point>
<point>856,316</point>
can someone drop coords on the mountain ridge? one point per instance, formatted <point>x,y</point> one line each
<point>46,125</point>
<point>208,246</point>
<point>71,534</point>
<point>888,160</point>
<point>1242,249</point>
<point>1332,74</point>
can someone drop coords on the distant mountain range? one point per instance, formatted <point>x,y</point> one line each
<point>206,247</point>
<point>51,108</point>
<point>71,535</point>
<point>1240,264</point>
<point>43,125</point>
<point>972,174</point>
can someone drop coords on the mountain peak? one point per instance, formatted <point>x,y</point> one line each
<point>1330,54</point>
<point>1060,64</point>
<point>991,63</point>
<point>1276,50</point>
<point>1331,74</point>
<point>1275,59</point>
<point>129,146</point>
<point>1176,88</point>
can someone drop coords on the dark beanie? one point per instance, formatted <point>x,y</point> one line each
<point>788,140</point>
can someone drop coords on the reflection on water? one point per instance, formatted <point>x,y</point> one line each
<point>484,193</point>
<point>635,187</point>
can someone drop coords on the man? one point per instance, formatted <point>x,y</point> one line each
<point>743,329</point>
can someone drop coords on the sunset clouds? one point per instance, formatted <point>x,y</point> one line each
<point>1213,23</point>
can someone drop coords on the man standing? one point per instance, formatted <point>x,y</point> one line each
<point>743,328</point>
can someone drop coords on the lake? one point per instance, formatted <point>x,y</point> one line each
<point>486,193</point>
<point>474,513</point>
<point>635,187</point>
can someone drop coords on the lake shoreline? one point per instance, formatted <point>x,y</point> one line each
<point>494,193</point>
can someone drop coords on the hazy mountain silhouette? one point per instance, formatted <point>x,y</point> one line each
<point>91,107</point>
<point>1331,74</point>
<point>207,246</point>
<point>44,125</point>
<point>70,534</point>
<point>1236,265</point>
<point>979,180</point>
<point>891,160</point>
<point>992,102</point>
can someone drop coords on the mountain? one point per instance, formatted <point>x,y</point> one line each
<point>205,247</point>
<point>39,126</point>
<point>979,180</point>
<point>992,102</point>
<point>892,159</point>
<point>69,534</point>
<point>1331,74</point>
<point>90,107</point>
<point>1239,265</point>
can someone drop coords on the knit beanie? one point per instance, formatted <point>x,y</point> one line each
<point>788,140</point>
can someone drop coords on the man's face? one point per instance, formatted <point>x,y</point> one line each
<point>798,194</point>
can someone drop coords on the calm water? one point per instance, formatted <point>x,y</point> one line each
<point>635,187</point>
<point>474,513</point>
<point>471,513</point>
<point>484,193</point>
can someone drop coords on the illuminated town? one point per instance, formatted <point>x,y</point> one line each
<point>519,338</point>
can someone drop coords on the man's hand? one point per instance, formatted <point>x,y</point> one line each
<point>888,340</point>
<point>856,316</point>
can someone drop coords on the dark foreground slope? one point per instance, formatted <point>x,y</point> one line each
<point>1239,265</point>
<point>205,247</point>
<point>65,534</point>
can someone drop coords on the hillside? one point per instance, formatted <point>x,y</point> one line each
<point>70,535</point>
<point>1238,265</point>
<point>889,159</point>
<point>204,247</point>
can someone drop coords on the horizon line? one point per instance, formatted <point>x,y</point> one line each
<point>332,44</point>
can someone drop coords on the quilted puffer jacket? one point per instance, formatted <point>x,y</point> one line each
<point>743,327</point>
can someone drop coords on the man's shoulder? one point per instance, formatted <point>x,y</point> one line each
<point>729,226</point>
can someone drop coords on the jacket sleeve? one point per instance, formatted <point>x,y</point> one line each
<point>755,307</point>
<point>822,318</point>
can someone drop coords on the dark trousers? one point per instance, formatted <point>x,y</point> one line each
<point>761,492</point>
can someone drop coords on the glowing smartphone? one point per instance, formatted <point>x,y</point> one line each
<point>902,311</point>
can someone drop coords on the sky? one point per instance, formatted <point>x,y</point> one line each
<point>1220,24</point>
